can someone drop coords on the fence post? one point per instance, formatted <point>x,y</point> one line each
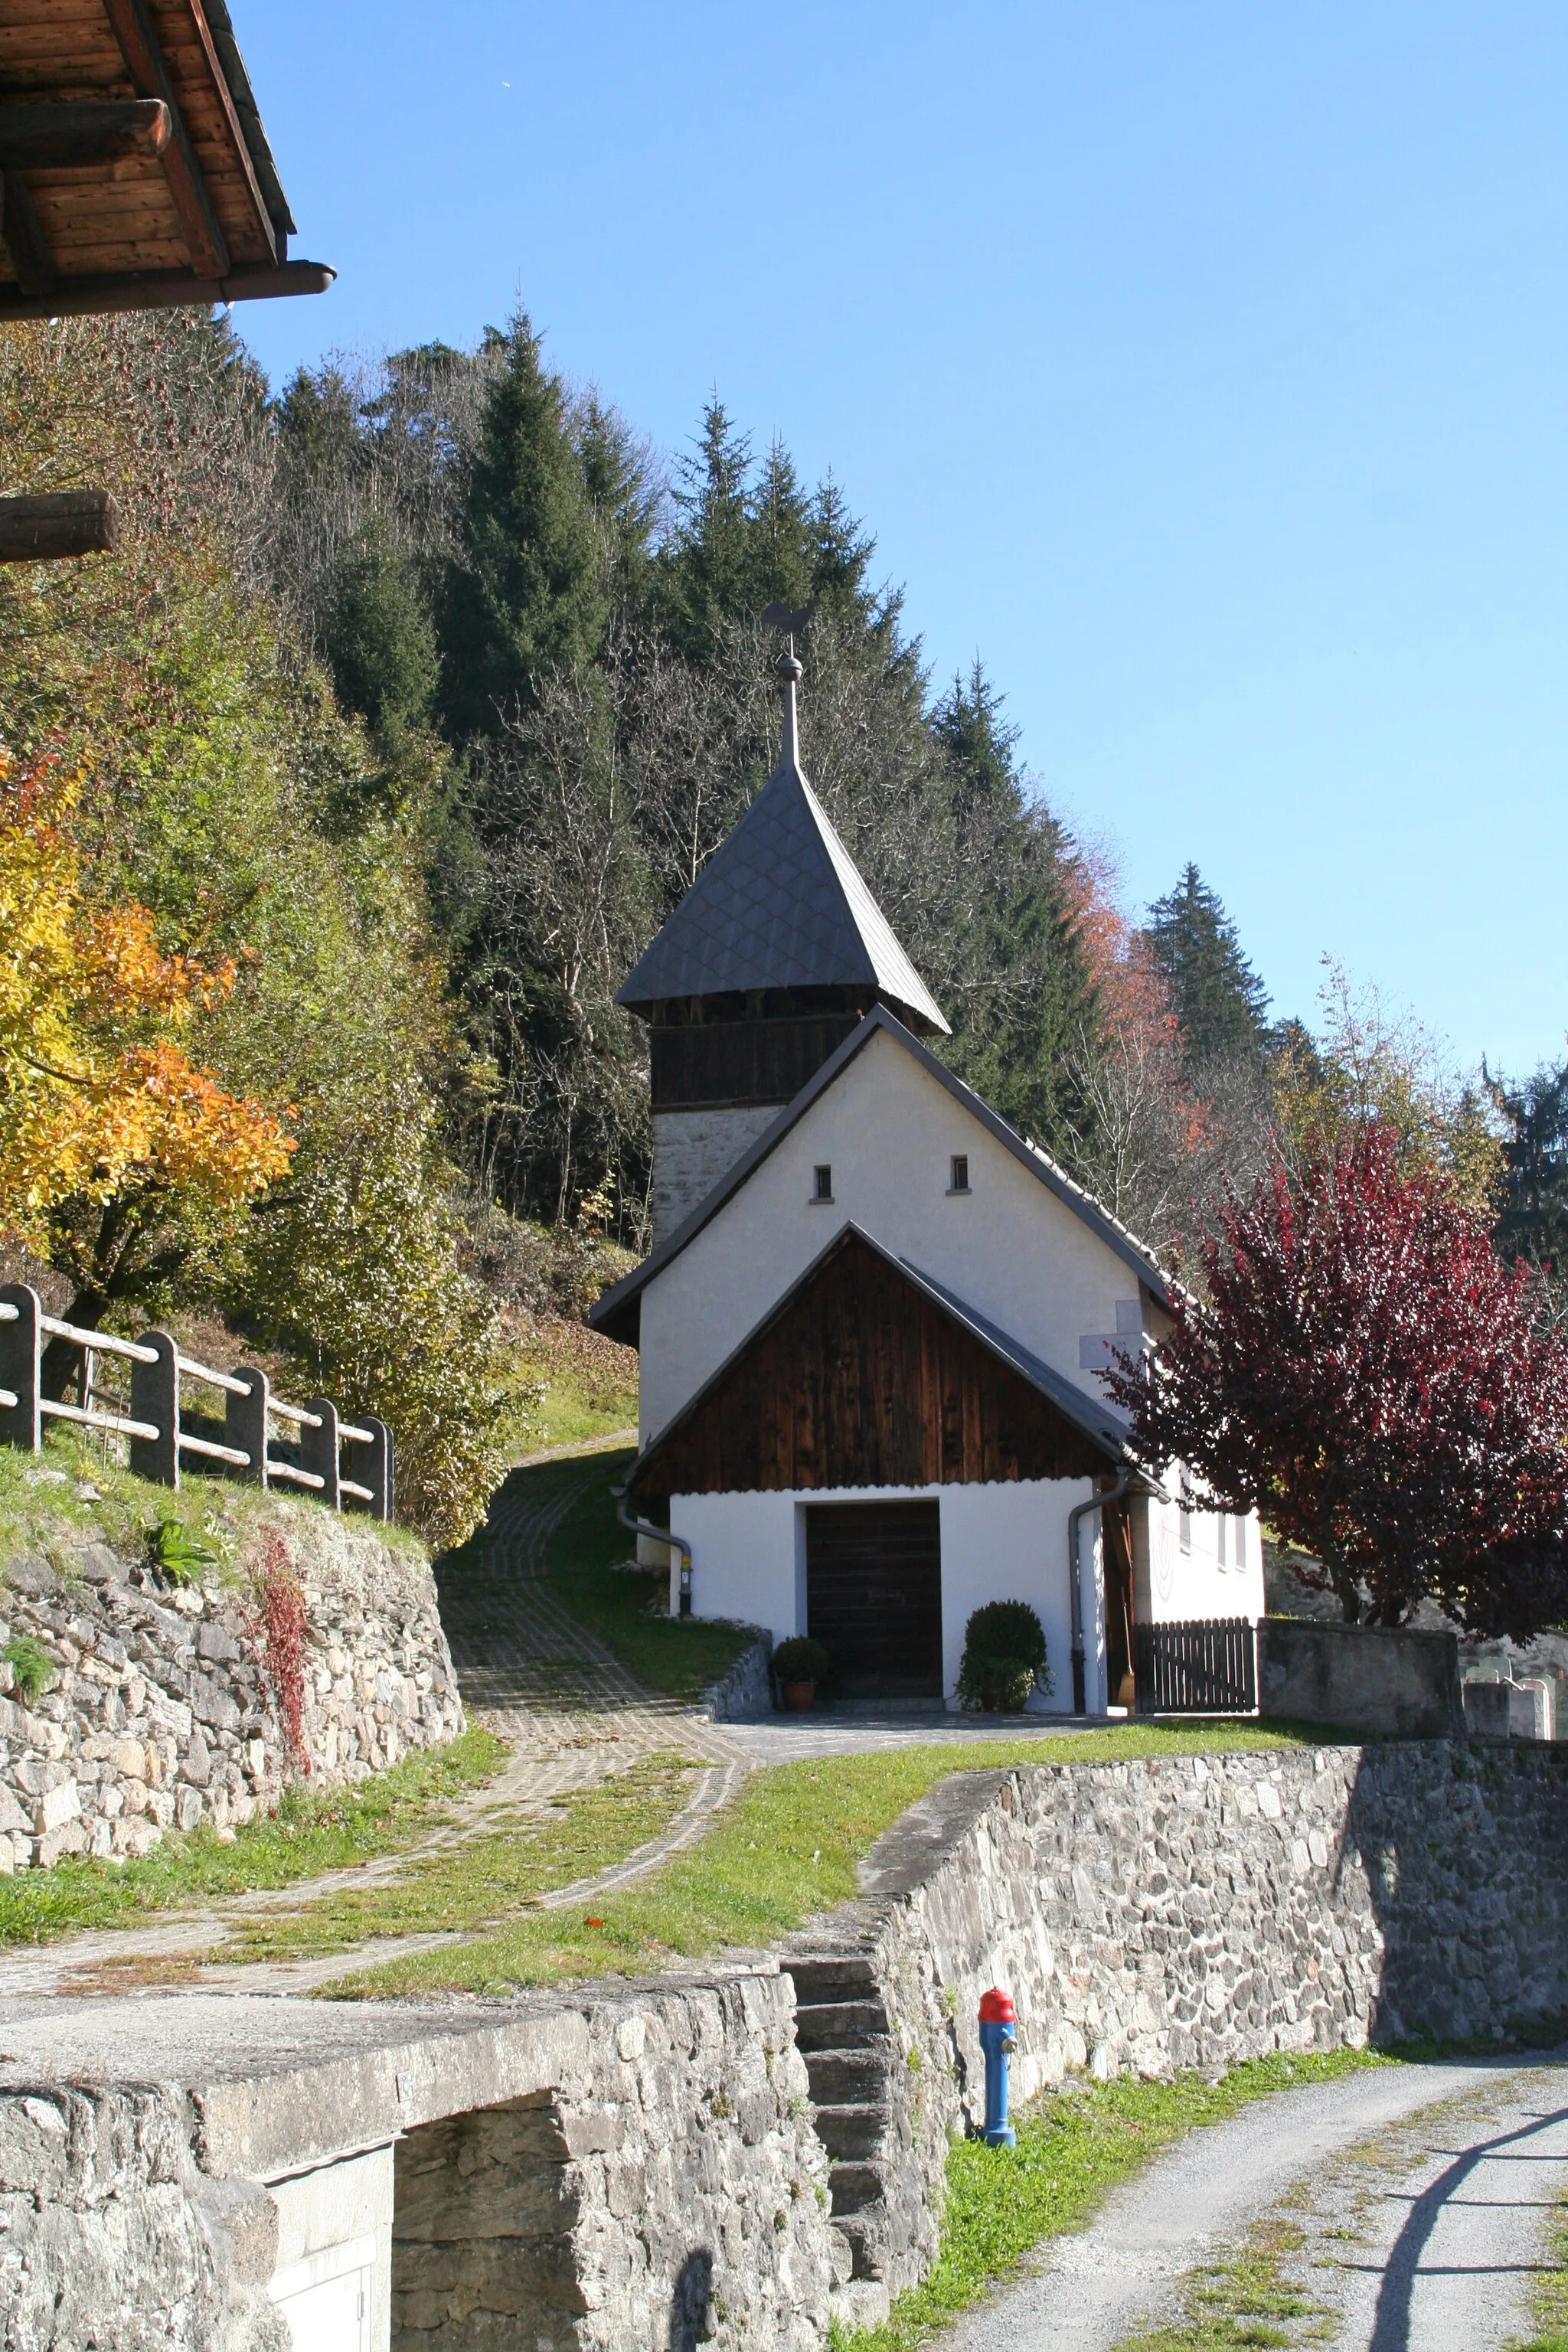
<point>155,1397</point>
<point>319,1449</point>
<point>376,1474</point>
<point>244,1422</point>
<point>21,1352</point>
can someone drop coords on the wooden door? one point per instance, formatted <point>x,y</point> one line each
<point>1119,1642</point>
<point>873,1594</point>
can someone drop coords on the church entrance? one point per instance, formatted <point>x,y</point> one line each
<point>873,1595</point>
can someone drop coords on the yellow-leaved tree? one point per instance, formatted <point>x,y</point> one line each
<point>102,1112</point>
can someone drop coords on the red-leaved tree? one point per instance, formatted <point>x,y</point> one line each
<point>1369,1375</point>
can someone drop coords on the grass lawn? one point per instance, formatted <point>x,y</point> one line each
<point>785,1849</point>
<point>625,1606</point>
<point>310,1832</point>
<point>1074,2147</point>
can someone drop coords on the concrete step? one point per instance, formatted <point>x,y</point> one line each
<point>832,1976</point>
<point>854,2132</point>
<point>856,2185</point>
<point>839,2024</point>
<point>847,2077</point>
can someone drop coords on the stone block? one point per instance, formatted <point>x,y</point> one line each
<point>56,1806</point>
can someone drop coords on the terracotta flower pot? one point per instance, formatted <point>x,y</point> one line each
<point>798,1697</point>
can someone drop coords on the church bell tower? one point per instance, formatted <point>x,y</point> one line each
<point>774,955</point>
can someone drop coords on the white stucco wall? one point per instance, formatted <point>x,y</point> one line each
<point>998,1543</point>
<point>1212,1569</point>
<point>888,1130</point>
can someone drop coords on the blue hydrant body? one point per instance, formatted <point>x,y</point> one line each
<point>997,2038</point>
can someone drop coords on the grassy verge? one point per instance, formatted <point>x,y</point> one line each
<point>587,1384</point>
<point>625,1606</point>
<point>310,1832</point>
<point>480,1879</point>
<point>786,1849</point>
<point>1072,2149</point>
<point>1550,2293</point>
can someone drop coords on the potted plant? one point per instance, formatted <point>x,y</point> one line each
<point>1003,1658</point>
<point>800,1663</point>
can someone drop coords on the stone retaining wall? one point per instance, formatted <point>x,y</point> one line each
<point>161,1714</point>
<point>1193,1911</point>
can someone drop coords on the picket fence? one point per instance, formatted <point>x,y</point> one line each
<point>1199,1665</point>
<point>158,1442</point>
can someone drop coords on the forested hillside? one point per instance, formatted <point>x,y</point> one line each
<point>415,697</point>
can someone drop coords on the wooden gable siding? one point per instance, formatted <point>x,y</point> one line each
<point>862,1379</point>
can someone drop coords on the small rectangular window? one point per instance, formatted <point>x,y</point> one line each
<point>1222,1525</point>
<point>1241,1543</point>
<point>821,1183</point>
<point>959,1168</point>
<point>1184,1515</point>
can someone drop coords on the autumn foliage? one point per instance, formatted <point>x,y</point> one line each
<point>1369,1375</point>
<point>97,1095</point>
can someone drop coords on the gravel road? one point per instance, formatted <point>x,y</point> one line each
<point>1418,2193</point>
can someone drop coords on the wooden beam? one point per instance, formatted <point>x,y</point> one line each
<point>60,522</point>
<point>56,138</point>
<point>278,246</point>
<point>162,290</point>
<point>25,240</point>
<point>204,239</point>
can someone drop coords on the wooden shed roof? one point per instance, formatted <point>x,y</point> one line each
<point>135,170</point>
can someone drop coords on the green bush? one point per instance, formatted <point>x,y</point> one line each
<point>1003,1658</point>
<point>32,1669</point>
<point>801,1660</point>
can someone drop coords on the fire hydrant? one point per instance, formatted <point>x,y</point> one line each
<point>997,2019</point>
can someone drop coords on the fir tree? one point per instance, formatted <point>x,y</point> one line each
<point>1216,996</point>
<point>529,593</point>
<point>1532,1222</point>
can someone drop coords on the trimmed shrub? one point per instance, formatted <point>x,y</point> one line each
<point>801,1660</point>
<point>1003,1658</point>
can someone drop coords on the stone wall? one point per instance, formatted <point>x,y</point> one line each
<point>668,2190</point>
<point>1382,1681</point>
<point>744,1694</point>
<point>111,2236</point>
<point>1194,1911</point>
<point>160,1714</point>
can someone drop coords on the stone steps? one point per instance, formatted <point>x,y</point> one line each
<point>843,2031</point>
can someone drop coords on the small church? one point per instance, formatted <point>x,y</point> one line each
<point>872,1314</point>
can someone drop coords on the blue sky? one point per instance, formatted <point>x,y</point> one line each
<point>1201,366</point>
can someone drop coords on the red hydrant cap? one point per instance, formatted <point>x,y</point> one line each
<point>996,2008</point>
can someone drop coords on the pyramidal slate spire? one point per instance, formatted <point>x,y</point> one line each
<point>779,906</point>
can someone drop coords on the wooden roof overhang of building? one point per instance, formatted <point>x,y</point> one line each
<point>619,1312</point>
<point>866,1373</point>
<point>135,171</point>
<point>134,174</point>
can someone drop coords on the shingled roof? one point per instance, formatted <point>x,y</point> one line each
<point>781,904</point>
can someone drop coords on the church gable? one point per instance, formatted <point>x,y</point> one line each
<point>862,1376</point>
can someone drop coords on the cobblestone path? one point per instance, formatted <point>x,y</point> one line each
<point>570,1713</point>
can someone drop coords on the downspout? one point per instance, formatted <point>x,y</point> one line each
<point>665,1535</point>
<point>1074,1580</point>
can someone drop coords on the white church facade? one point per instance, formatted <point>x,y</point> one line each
<point>871,1319</point>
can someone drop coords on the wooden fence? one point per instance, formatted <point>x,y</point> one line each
<point>1204,1666</point>
<point>153,1423</point>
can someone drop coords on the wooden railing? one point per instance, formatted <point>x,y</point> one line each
<point>153,1423</point>
<point>1204,1666</point>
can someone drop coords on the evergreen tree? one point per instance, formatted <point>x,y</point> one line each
<point>527,592</point>
<point>378,635</point>
<point>1216,996</point>
<point>1026,1011</point>
<point>1532,1222</point>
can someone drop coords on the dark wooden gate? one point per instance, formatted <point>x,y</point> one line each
<point>1202,1665</point>
<point>873,1594</point>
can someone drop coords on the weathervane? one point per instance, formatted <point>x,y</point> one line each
<point>789,670</point>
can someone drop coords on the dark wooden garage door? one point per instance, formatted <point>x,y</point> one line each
<point>873,1593</point>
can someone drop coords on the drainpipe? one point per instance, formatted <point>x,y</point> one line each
<point>665,1535</point>
<point>1074,1580</point>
